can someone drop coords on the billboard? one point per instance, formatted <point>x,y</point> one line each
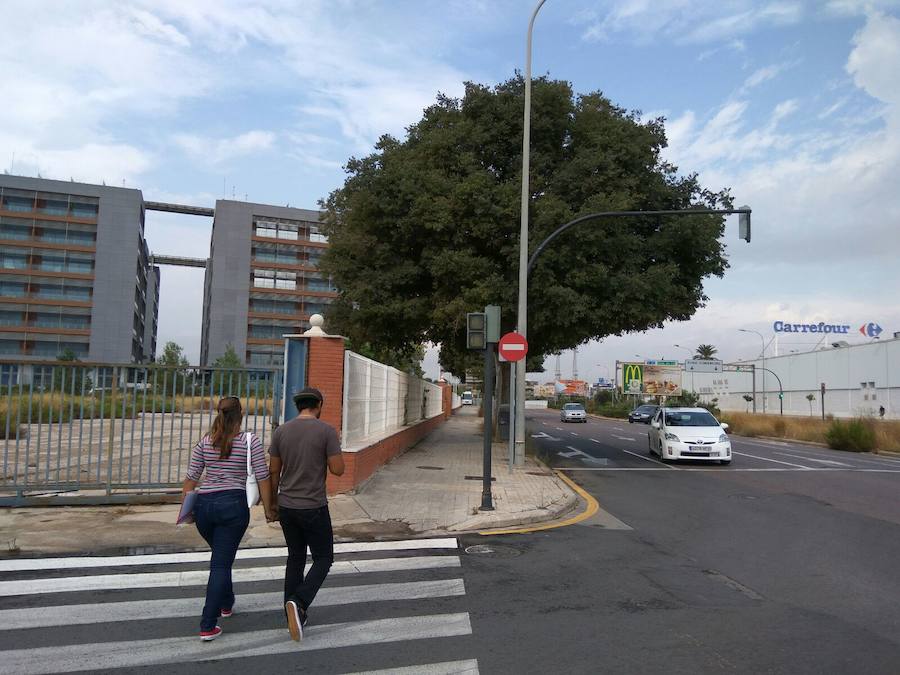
<point>662,380</point>
<point>633,378</point>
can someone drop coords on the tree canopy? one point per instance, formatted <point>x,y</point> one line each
<point>426,229</point>
<point>705,352</point>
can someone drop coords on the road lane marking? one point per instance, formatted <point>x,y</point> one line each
<point>469,667</point>
<point>649,459</point>
<point>624,438</point>
<point>203,556</point>
<point>812,459</point>
<point>70,615</point>
<point>188,649</point>
<point>776,461</point>
<point>200,577</point>
<point>618,429</point>
<point>573,433</point>
<point>559,428</point>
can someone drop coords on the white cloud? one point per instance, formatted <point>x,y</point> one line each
<point>815,188</point>
<point>221,150</point>
<point>688,21</point>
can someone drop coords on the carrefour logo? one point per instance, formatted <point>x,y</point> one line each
<point>821,327</point>
<point>872,330</point>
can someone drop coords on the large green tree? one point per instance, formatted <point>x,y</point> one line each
<point>426,228</point>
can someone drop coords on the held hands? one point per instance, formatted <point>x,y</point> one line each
<point>272,514</point>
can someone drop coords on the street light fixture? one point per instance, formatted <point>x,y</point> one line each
<point>762,340</point>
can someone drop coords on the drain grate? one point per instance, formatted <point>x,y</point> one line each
<point>431,468</point>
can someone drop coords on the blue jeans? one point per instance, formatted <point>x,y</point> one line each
<point>222,518</point>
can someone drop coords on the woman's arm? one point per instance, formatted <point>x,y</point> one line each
<point>265,491</point>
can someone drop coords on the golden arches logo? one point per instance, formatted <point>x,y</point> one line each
<point>633,377</point>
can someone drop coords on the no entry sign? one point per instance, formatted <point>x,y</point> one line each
<point>513,347</point>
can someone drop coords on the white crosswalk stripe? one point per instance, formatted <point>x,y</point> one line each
<point>415,595</point>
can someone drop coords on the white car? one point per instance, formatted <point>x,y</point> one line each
<point>573,412</point>
<point>688,433</point>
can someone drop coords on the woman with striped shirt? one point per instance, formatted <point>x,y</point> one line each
<point>221,511</point>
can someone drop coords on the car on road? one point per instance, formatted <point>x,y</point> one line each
<point>643,413</point>
<point>467,398</point>
<point>688,433</point>
<point>573,412</point>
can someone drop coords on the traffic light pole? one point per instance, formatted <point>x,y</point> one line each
<point>780,390</point>
<point>486,500</point>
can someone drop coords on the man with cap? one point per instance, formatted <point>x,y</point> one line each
<point>302,451</point>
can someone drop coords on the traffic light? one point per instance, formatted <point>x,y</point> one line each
<point>781,395</point>
<point>744,225</point>
<point>476,330</point>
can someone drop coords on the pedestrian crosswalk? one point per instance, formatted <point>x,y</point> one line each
<point>387,607</point>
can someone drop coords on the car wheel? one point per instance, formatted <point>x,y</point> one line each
<point>724,462</point>
<point>630,421</point>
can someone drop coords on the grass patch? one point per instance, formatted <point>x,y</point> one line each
<point>886,433</point>
<point>857,435</point>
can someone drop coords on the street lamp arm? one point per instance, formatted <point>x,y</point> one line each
<point>780,387</point>
<point>613,214</point>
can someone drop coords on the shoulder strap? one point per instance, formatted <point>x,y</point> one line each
<point>248,437</point>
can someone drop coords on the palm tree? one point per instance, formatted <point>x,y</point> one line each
<point>810,398</point>
<point>705,352</point>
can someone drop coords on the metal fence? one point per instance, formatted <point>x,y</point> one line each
<point>379,399</point>
<point>101,429</point>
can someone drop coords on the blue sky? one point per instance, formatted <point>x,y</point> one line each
<point>794,105</point>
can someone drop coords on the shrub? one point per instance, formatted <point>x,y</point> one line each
<point>856,435</point>
<point>780,427</point>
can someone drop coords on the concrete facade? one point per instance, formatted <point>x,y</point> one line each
<point>261,280</point>
<point>78,252</point>
<point>858,380</point>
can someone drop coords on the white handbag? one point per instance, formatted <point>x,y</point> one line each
<point>252,484</point>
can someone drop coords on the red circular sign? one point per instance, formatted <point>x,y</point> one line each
<point>513,347</point>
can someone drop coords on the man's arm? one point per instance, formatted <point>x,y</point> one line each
<point>336,464</point>
<point>274,476</point>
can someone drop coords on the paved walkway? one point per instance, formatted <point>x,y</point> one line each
<point>425,491</point>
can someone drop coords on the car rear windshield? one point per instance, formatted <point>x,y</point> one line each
<point>690,419</point>
<point>573,406</point>
<point>646,408</point>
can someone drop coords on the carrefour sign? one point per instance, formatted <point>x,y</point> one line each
<point>869,329</point>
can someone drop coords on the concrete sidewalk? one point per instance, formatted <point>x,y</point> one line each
<point>433,488</point>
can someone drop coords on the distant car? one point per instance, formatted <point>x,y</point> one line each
<point>688,433</point>
<point>643,414</point>
<point>573,412</point>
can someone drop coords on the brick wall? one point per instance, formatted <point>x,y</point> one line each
<point>326,373</point>
<point>362,464</point>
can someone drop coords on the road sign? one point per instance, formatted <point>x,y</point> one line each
<point>658,362</point>
<point>703,365</point>
<point>513,347</point>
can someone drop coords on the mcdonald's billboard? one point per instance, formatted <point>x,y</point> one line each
<point>633,378</point>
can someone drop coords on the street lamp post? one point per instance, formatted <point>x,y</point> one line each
<point>762,340</point>
<point>522,318</point>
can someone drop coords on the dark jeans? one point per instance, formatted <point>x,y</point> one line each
<point>222,518</point>
<point>302,528</point>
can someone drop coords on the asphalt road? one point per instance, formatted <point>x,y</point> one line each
<point>785,561</point>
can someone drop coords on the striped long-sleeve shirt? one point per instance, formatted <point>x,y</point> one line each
<point>226,474</point>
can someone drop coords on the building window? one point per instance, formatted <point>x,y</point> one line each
<point>17,202</point>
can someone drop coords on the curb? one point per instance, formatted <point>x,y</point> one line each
<point>591,508</point>
<point>562,509</point>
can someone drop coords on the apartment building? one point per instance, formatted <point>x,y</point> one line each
<point>262,280</point>
<point>75,273</point>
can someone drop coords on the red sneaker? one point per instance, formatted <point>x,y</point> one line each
<point>226,612</point>
<point>209,635</point>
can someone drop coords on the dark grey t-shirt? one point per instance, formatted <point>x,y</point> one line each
<point>304,444</point>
